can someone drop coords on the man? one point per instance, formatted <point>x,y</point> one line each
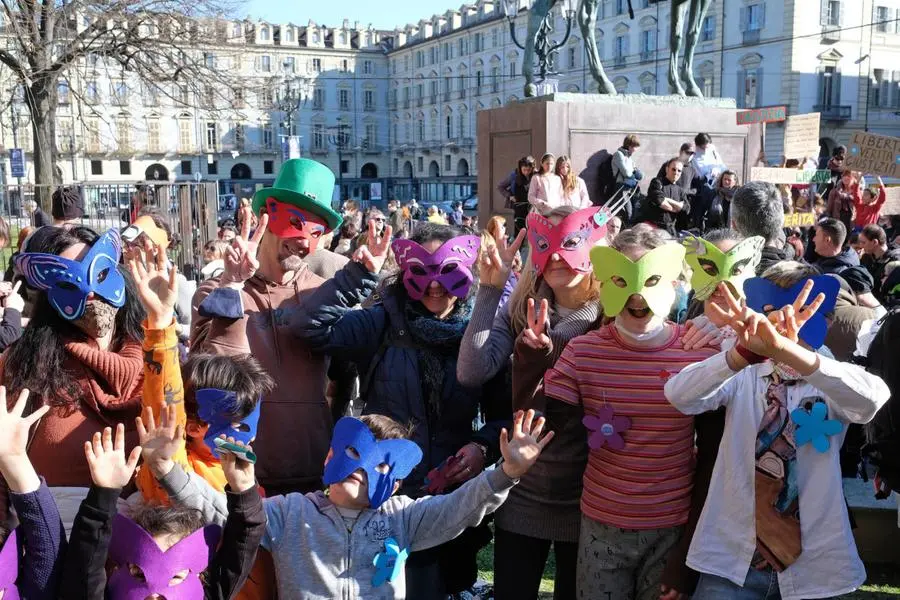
<point>756,210</point>
<point>686,181</point>
<point>830,254</point>
<point>395,216</point>
<point>415,211</point>
<point>456,215</point>
<point>708,166</point>
<point>623,164</point>
<point>667,200</point>
<point>249,308</point>
<point>67,207</point>
<point>876,253</point>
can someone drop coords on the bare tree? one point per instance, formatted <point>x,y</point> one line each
<point>160,43</point>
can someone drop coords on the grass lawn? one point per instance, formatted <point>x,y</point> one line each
<point>883,582</point>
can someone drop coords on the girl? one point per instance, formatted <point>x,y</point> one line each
<point>515,189</point>
<point>843,199</point>
<point>574,190</point>
<point>545,190</point>
<point>543,510</point>
<point>637,485</point>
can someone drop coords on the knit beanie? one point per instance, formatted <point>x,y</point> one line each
<point>67,204</point>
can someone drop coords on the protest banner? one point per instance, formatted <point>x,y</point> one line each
<point>874,154</point>
<point>770,114</point>
<point>801,136</point>
<point>789,176</point>
<point>892,202</point>
<point>800,219</point>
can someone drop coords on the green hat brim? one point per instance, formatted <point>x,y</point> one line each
<point>332,218</point>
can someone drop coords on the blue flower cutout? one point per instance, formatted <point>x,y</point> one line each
<point>389,564</point>
<point>854,150</point>
<point>815,427</point>
<point>897,159</point>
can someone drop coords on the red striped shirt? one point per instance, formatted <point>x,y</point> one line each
<point>647,484</point>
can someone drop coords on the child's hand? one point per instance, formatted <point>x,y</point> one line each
<point>15,465</point>
<point>522,451</point>
<point>160,443</point>
<point>106,459</point>
<point>240,474</point>
<point>157,288</point>
<point>534,334</point>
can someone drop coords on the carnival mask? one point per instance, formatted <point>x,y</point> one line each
<point>216,408</point>
<point>131,545</point>
<point>68,283</point>
<point>764,296</point>
<point>711,266</point>
<point>287,221</point>
<point>385,462</point>
<point>652,277</point>
<point>572,238</point>
<point>450,265</point>
<point>9,567</point>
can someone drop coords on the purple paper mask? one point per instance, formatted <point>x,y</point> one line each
<point>9,567</point>
<point>130,544</point>
<point>450,265</point>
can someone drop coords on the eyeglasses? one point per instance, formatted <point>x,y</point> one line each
<point>378,219</point>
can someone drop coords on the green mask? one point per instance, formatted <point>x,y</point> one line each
<point>711,266</point>
<point>652,277</point>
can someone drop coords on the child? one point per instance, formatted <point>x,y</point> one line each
<point>33,574</point>
<point>159,548</point>
<point>351,541</point>
<point>221,394</point>
<point>779,395</point>
<point>868,209</point>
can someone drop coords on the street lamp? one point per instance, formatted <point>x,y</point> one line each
<point>294,94</point>
<point>340,139</point>
<point>540,44</point>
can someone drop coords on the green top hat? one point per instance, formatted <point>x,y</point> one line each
<point>306,184</point>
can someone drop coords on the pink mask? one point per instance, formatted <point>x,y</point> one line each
<point>130,544</point>
<point>287,221</point>
<point>572,239</point>
<point>450,265</point>
<point>9,567</point>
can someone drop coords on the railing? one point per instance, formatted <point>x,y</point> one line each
<point>831,33</point>
<point>834,112</point>
<point>619,60</point>
<point>751,36</point>
<point>647,55</point>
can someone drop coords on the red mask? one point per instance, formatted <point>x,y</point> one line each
<point>287,222</point>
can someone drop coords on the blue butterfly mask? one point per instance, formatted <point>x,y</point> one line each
<point>69,282</point>
<point>764,296</point>
<point>216,408</point>
<point>385,462</point>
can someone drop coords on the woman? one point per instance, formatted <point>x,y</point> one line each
<point>720,210</point>
<point>545,190</point>
<point>843,199</point>
<point>80,353</point>
<point>243,213</point>
<point>574,190</point>
<point>405,347</point>
<point>496,231</point>
<point>515,189</point>
<point>542,511</point>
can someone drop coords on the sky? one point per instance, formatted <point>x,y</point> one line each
<point>381,14</point>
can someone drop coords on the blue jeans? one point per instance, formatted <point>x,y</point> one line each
<point>759,585</point>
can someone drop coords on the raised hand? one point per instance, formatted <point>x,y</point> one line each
<point>106,459</point>
<point>240,474</point>
<point>15,465</point>
<point>790,319</point>
<point>157,286</point>
<point>496,261</point>
<point>240,259</point>
<point>699,333</point>
<point>160,442</point>
<point>534,334</point>
<point>373,254</point>
<point>522,451</point>
<point>14,299</point>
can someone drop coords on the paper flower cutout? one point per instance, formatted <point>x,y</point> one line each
<point>389,563</point>
<point>854,150</point>
<point>606,429</point>
<point>815,427</point>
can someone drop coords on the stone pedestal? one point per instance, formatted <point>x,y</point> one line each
<point>588,126</point>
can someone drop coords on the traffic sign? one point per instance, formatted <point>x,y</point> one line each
<point>17,162</point>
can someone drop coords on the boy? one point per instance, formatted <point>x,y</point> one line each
<point>775,520</point>
<point>160,548</point>
<point>351,541</point>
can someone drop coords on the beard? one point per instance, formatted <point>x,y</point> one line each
<point>98,320</point>
<point>291,263</point>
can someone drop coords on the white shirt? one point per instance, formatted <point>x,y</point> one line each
<point>725,538</point>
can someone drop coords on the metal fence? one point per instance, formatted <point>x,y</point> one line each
<point>192,208</point>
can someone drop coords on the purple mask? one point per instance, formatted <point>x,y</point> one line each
<point>9,567</point>
<point>130,544</point>
<point>450,265</point>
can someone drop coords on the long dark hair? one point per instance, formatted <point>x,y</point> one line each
<point>35,362</point>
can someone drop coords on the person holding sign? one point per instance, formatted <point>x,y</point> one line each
<point>868,209</point>
<point>843,199</point>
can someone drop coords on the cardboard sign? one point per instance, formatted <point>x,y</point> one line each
<point>874,154</point>
<point>771,114</point>
<point>789,176</point>
<point>800,219</point>
<point>892,202</point>
<point>801,136</point>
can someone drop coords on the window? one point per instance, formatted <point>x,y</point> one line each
<point>406,63</point>
<point>92,131</point>
<point>434,91</point>
<point>96,167</point>
<point>449,127</point>
<point>345,167</point>
<point>268,136</point>
<point>65,136</point>
<point>317,65</point>
<point>345,65</point>
<point>750,91</point>
<point>123,133</point>
<point>344,99</point>
<point>648,85</point>
<point>495,37</point>
<point>447,163</point>
<point>368,67</point>
<point>318,98</point>
<point>478,82</point>
<point>621,50</point>
<point>461,127</point>
<point>318,138</point>
<point>434,54</point>
<point>268,167</point>
<point>420,164</point>
<point>290,64</point>
<point>265,63</point>
<point>448,85</point>
<point>882,16</point>
<point>153,140</point>
<point>406,97</point>
<point>831,13</point>
<point>495,80</point>
<point>124,167</point>
<point>119,93</point>
<point>420,59</point>
<point>151,95</point>
<point>92,92</point>
<point>371,135</point>
<point>187,167</point>
<point>648,44</point>
<point>433,134</point>
<point>212,168</point>
<point>421,130</point>
<point>829,87</point>
<point>753,19</point>
<point>62,92</point>
<point>264,33</point>
<point>184,95</point>
<point>239,136</point>
<point>369,99</point>
<point>708,32</point>
<point>238,98</point>
<point>447,52</point>
<point>266,97</point>
<point>512,70</point>
<point>210,60</point>
<point>289,34</point>
<point>209,96</point>
<point>462,86</point>
<point>571,51</point>
<point>185,136</point>
<point>479,42</point>
<point>212,137</point>
<point>463,48</point>
<point>621,7</point>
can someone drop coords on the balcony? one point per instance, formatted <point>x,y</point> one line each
<point>446,96</point>
<point>345,106</point>
<point>462,94</point>
<point>319,151</point>
<point>420,101</point>
<point>831,34</point>
<point>406,103</point>
<point>751,36</point>
<point>619,61</point>
<point>369,108</point>
<point>647,55</point>
<point>833,112</point>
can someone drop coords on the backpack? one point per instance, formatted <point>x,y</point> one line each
<point>882,448</point>
<point>606,180</point>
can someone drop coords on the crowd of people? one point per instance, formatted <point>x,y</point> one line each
<point>353,398</point>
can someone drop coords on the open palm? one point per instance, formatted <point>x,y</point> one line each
<point>110,467</point>
<point>157,284</point>
<point>159,441</point>
<point>14,428</point>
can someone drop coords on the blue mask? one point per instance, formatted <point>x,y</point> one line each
<point>764,296</point>
<point>217,408</point>
<point>68,283</point>
<point>386,462</point>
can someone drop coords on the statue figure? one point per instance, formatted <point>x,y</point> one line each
<point>538,41</point>
<point>587,20</point>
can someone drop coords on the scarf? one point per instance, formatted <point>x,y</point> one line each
<point>436,340</point>
<point>106,381</point>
